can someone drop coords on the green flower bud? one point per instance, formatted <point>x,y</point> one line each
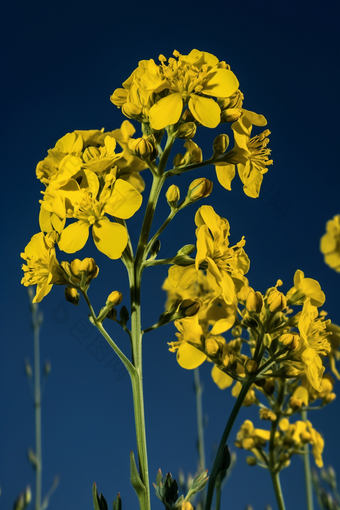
<point>186,131</point>
<point>220,145</point>
<point>199,188</point>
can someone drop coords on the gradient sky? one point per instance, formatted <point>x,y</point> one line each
<point>61,62</point>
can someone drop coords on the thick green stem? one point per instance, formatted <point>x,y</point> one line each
<point>37,406</point>
<point>220,452</point>
<point>308,474</point>
<point>278,490</point>
<point>274,472</point>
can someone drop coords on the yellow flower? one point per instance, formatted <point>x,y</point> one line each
<point>254,153</point>
<point>118,198</point>
<point>40,257</point>
<point>313,343</point>
<point>221,261</point>
<point>163,90</point>
<point>189,343</point>
<point>330,243</point>
<point>299,433</point>
<point>305,288</point>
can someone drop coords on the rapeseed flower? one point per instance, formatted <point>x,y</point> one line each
<point>158,93</point>
<point>221,261</point>
<point>253,151</point>
<point>119,199</point>
<point>40,257</point>
<point>305,288</point>
<point>330,243</point>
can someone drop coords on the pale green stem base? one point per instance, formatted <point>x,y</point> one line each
<point>308,474</point>
<point>37,406</point>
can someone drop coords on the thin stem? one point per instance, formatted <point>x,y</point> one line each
<point>37,406</point>
<point>220,452</point>
<point>274,472</point>
<point>200,428</point>
<point>308,474</point>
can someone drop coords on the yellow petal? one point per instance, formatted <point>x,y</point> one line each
<point>125,200</point>
<point>166,111</point>
<point>222,379</point>
<point>110,238</point>
<point>225,174</point>
<point>189,357</point>
<point>205,110</point>
<point>220,83</point>
<point>73,238</point>
<point>302,393</point>
<point>223,325</point>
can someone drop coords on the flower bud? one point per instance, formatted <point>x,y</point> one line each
<point>290,340</point>
<point>254,302</point>
<point>114,299</point>
<point>236,331</point>
<point>277,303</point>
<point>267,414</point>
<point>230,114</point>
<point>192,155</point>
<point>220,145</point>
<point>199,188</point>
<point>172,195</point>
<point>87,265</point>
<point>269,386</point>
<point>28,495</point>
<point>186,131</point>
<point>251,365</point>
<point>72,295</point>
<point>47,368</point>
<point>187,506</point>
<point>251,461</point>
<point>329,398</point>
<point>143,148</point>
<point>28,368</point>
<point>189,307</point>
<point>211,347</point>
<point>295,403</point>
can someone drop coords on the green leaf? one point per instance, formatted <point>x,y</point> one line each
<point>95,497</point>
<point>136,481</point>
<point>117,504</point>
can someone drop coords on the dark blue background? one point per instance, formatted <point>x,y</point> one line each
<point>61,62</point>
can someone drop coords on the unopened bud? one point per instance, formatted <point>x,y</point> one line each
<point>189,307</point>
<point>28,368</point>
<point>87,265</point>
<point>172,195</point>
<point>186,131</point>
<point>254,302</point>
<point>277,303</point>
<point>225,360</point>
<point>114,299</point>
<point>187,506</point>
<point>305,437</point>
<point>230,114</point>
<point>269,386</point>
<point>220,145</point>
<point>143,148</point>
<point>329,398</point>
<point>28,495</point>
<point>251,461</point>
<point>199,188</point>
<point>236,331</point>
<point>290,340</point>
<point>47,368</point>
<point>211,347</point>
<point>251,365</point>
<point>295,403</point>
<point>72,295</point>
<point>267,414</point>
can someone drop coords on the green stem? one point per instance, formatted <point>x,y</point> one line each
<point>218,492</point>
<point>278,491</point>
<point>220,452</point>
<point>200,429</point>
<point>274,472</point>
<point>37,406</point>
<point>308,474</point>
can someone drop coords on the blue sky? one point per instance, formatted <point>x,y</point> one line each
<point>62,60</point>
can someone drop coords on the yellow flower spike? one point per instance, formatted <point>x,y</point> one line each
<point>40,257</point>
<point>330,243</point>
<point>220,378</point>
<point>305,288</point>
